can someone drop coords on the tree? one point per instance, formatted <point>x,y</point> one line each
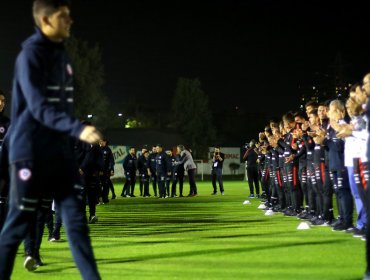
<point>88,79</point>
<point>192,116</point>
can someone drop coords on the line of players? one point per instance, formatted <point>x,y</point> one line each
<point>306,158</point>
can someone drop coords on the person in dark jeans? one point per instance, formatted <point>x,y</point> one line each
<point>250,157</point>
<point>217,164</point>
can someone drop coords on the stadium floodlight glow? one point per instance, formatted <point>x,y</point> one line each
<point>120,114</point>
<point>89,116</point>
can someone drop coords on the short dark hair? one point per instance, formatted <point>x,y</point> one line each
<point>354,87</point>
<point>47,7</point>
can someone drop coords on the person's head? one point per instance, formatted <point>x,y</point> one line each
<point>169,153</point>
<point>217,149</point>
<point>300,117</point>
<point>313,117</point>
<point>53,18</point>
<point>159,148</point>
<point>366,84</point>
<point>357,94</point>
<point>132,151</point>
<point>268,131</point>
<point>103,142</point>
<point>2,101</point>
<point>252,143</point>
<point>146,153</point>
<point>322,111</point>
<point>310,105</point>
<point>337,110</point>
<point>154,149</point>
<point>143,149</point>
<point>289,122</point>
<point>180,148</point>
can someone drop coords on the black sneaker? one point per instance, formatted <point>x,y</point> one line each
<point>113,196</point>
<point>214,193</point>
<point>251,195</point>
<point>342,227</point>
<point>318,222</point>
<point>359,232</point>
<point>258,196</point>
<point>30,263</point>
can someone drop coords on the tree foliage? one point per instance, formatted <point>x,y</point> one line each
<point>88,81</point>
<point>192,116</point>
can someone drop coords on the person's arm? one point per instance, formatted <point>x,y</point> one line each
<point>184,157</point>
<point>34,86</point>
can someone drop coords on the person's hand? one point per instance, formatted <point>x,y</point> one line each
<point>80,171</point>
<point>112,173</point>
<point>344,132</point>
<point>90,135</point>
<point>289,158</point>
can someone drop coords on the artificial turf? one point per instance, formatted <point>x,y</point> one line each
<point>203,237</point>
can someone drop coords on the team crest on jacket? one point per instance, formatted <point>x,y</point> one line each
<point>2,129</point>
<point>69,69</point>
<point>25,174</point>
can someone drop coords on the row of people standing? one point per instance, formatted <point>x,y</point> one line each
<point>162,168</point>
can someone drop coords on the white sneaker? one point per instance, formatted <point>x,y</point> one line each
<point>30,263</point>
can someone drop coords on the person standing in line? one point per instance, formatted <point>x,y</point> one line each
<point>251,157</point>
<point>162,170</point>
<point>108,171</point>
<point>171,163</point>
<point>189,165</point>
<point>151,169</point>
<point>217,164</point>
<point>129,167</point>
<point>141,162</point>
<point>178,176</point>
<point>142,167</point>
<point>41,140</point>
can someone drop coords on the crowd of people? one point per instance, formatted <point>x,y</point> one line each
<point>52,162</point>
<point>306,161</point>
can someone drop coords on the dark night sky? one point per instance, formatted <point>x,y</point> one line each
<point>238,49</point>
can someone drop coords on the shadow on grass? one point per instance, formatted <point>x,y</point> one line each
<point>212,251</point>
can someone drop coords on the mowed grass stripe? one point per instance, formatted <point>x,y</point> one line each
<point>204,237</point>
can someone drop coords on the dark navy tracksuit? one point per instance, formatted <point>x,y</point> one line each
<point>151,166</point>
<point>142,167</point>
<point>339,176</point>
<point>250,157</point>
<point>41,151</point>
<point>171,160</point>
<point>178,174</point>
<point>162,169</point>
<point>92,166</point>
<point>129,167</point>
<point>108,169</point>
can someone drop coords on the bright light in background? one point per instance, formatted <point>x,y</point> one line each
<point>120,114</point>
<point>89,116</point>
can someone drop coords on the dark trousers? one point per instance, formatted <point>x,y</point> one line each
<point>343,193</point>
<point>253,181</point>
<point>4,192</point>
<point>54,223</point>
<point>178,177</point>
<point>193,185</point>
<point>154,183</point>
<point>217,177</point>
<point>130,182</point>
<point>32,242</point>
<point>106,185</point>
<point>29,182</point>
<point>161,180</point>
<point>144,185</point>
<point>91,185</point>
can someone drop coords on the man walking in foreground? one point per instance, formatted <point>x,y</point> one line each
<point>41,140</point>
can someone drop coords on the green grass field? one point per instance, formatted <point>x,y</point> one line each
<point>204,237</point>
